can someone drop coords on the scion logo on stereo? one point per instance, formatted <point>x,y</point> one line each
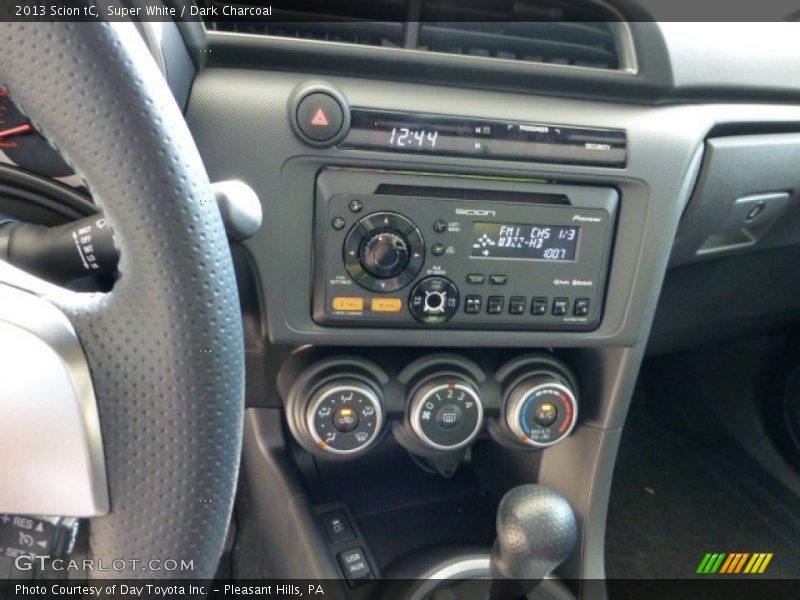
<point>475,212</point>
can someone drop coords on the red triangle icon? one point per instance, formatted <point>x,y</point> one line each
<point>320,118</point>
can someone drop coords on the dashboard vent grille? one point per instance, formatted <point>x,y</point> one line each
<point>567,32</point>
<point>366,22</point>
<point>572,43</point>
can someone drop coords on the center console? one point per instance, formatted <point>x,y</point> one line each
<point>449,298</point>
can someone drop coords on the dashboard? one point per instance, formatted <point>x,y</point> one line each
<point>465,254</point>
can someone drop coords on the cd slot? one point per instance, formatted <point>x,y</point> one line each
<point>424,191</point>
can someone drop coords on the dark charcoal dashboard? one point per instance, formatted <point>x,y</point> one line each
<point>460,267</point>
<point>468,277</point>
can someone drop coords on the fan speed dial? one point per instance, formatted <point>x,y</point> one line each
<point>446,413</point>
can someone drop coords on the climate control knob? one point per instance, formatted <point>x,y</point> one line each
<point>344,417</point>
<point>541,410</point>
<point>384,254</point>
<point>446,413</point>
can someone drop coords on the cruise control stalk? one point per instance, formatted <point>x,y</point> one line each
<point>85,247</point>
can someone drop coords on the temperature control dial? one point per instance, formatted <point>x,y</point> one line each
<point>434,300</point>
<point>541,411</point>
<point>446,413</point>
<point>344,417</point>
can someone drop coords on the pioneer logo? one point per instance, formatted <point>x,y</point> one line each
<point>586,219</point>
<point>475,212</point>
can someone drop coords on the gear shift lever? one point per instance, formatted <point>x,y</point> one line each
<point>536,532</point>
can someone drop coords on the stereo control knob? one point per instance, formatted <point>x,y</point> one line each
<point>344,416</point>
<point>446,413</point>
<point>384,254</point>
<point>434,300</point>
<point>541,410</point>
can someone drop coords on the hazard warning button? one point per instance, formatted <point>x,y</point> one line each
<point>320,117</point>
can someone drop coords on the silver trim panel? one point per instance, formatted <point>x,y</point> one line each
<point>51,446</point>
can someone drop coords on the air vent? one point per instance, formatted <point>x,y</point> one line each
<point>566,32</point>
<point>367,22</point>
<point>559,32</point>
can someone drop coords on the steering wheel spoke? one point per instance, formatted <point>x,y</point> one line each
<point>164,348</point>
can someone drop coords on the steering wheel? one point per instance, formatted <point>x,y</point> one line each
<point>164,347</point>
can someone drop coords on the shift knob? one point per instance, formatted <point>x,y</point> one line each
<point>536,532</point>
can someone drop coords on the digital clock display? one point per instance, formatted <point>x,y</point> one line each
<point>403,137</point>
<point>490,139</point>
<point>398,133</point>
<point>524,241</point>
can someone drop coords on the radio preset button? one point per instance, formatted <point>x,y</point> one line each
<point>473,304</point>
<point>539,305</point>
<point>516,305</point>
<point>495,304</point>
<point>498,279</point>
<point>560,306</point>
<point>475,279</point>
<point>434,300</point>
<point>581,308</point>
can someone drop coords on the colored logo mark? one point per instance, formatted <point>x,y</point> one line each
<point>733,563</point>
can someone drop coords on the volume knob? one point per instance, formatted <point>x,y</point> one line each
<point>384,254</point>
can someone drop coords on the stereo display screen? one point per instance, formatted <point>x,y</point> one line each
<point>524,241</point>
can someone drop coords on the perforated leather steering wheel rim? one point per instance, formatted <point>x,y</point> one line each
<point>165,347</point>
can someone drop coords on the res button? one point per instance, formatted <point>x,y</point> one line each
<point>348,304</point>
<point>387,305</point>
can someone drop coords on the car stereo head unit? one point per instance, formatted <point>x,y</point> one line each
<point>404,250</point>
